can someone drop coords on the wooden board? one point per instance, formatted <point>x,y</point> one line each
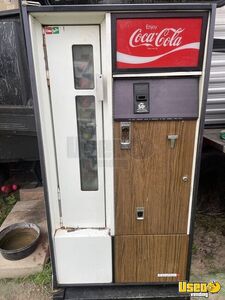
<point>32,194</point>
<point>141,258</point>
<point>9,4</point>
<point>150,175</point>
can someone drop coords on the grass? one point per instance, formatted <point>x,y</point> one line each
<point>194,249</point>
<point>37,286</point>
<point>6,204</point>
<point>43,278</point>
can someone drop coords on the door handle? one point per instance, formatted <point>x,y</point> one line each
<point>99,87</point>
<point>125,135</point>
<point>172,138</point>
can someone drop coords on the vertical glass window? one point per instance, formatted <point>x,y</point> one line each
<point>83,65</point>
<point>86,122</point>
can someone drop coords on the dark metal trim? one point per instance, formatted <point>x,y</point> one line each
<point>200,135</point>
<point>216,126</point>
<point>39,134</point>
<point>219,45</point>
<point>113,258</point>
<point>155,119</point>
<point>128,291</point>
<point>220,3</point>
<point>113,284</point>
<point>9,13</point>
<point>120,7</point>
<point>59,294</point>
<point>203,15</point>
<point>23,66</point>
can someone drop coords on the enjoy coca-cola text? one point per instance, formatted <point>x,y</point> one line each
<point>166,37</point>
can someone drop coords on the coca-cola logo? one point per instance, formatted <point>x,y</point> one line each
<point>167,37</point>
<point>158,42</point>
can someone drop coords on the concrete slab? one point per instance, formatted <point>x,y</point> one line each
<point>32,194</point>
<point>27,211</point>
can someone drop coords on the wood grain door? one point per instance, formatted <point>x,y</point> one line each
<point>150,258</point>
<point>150,174</point>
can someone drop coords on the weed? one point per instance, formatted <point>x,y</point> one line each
<point>42,278</point>
<point>6,204</point>
<point>194,249</point>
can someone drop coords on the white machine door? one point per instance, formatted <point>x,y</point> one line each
<point>74,62</point>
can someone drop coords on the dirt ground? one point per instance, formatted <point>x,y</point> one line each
<point>33,287</point>
<point>208,256</point>
<point>12,290</point>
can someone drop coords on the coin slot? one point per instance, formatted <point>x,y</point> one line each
<point>141,98</point>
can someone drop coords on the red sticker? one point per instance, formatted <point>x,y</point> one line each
<point>51,30</point>
<point>158,43</point>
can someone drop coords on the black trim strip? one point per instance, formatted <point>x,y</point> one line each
<point>9,13</point>
<point>219,45</point>
<point>220,3</point>
<point>125,292</point>
<point>120,7</point>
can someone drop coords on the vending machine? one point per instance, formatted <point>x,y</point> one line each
<point>120,94</point>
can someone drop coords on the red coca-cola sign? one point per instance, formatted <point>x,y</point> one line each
<point>158,42</point>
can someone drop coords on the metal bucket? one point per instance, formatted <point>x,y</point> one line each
<point>19,240</point>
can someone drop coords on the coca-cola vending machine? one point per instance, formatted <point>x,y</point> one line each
<point>120,94</point>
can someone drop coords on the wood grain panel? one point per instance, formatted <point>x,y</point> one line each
<point>141,258</point>
<point>150,175</point>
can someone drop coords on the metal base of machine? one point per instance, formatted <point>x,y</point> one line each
<point>120,292</point>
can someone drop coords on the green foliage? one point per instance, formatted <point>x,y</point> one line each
<point>6,204</point>
<point>43,278</point>
<point>194,249</point>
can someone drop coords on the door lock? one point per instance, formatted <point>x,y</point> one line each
<point>172,138</point>
<point>185,178</point>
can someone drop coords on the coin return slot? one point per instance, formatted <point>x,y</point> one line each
<point>140,213</point>
<point>125,135</point>
<point>141,98</point>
